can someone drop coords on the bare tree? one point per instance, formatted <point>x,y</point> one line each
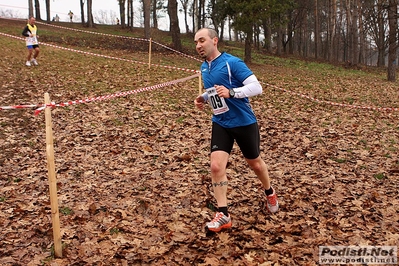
<point>147,18</point>
<point>174,24</point>
<point>184,4</point>
<point>381,33</point>
<point>362,38</point>
<point>154,13</point>
<point>194,15</point>
<point>267,31</point>
<point>122,12</point>
<point>355,31</point>
<point>331,28</point>
<point>30,4</point>
<point>392,39</point>
<point>90,22</point>
<point>130,13</point>
<point>316,29</point>
<point>37,10</point>
<point>82,11</point>
<point>48,11</point>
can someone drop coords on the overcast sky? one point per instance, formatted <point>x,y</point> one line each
<point>60,7</point>
<point>103,8</point>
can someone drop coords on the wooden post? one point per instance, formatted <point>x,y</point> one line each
<point>149,54</point>
<point>52,180</point>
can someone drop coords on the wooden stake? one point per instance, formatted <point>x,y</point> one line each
<point>52,180</point>
<point>149,54</point>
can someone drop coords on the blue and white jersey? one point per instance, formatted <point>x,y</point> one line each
<point>229,71</point>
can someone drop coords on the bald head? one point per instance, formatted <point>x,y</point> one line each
<point>206,41</point>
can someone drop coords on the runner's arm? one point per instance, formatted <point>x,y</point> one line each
<point>251,88</point>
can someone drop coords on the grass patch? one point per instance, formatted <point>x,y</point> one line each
<point>114,231</point>
<point>66,211</point>
<point>379,176</point>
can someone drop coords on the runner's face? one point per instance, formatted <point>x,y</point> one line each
<point>205,45</point>
<point>32,21</point>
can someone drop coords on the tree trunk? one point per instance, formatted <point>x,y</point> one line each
<point>154,14</point>
<point>268,35</point>
<point>348,46</point>
<point>305,37</point>
<point>332,22</point>
<point>132,14</point>
<point>316,30</point>
<point>362,38</point>
<point>128,17</point>
<point>229,25</point>
<point>279,40</point>
<point>195,16</point>
<point>174,24</point>
<point>90,22</point>
<point>82,11</point>
<point>184,4</point>
<point>30,3</point>
<point>48,11</point>
<point>147,18</point>
<point>290,35</point>
<point>381,34</point>
<point>122,12</point>
<point>37,10</point>
<point>392,39</point>
<point>248,46</point>
<point>201,13</point>
<point>222,30</point>
<point>355,32</point>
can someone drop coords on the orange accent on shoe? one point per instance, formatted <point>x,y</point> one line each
<point>272,203</point>
<point>272,199</point>
<point>218,216</point>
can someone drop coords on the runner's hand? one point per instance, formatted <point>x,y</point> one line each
<point>222,91</point>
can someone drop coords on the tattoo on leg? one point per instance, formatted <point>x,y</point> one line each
<point>221,183</point>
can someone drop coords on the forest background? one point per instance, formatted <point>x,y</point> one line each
<point>352,32</point>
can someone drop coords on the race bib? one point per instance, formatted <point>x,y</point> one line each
<point>218,104</point>
<point>33,39</point>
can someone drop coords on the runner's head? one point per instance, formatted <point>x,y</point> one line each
<point>206,42</point>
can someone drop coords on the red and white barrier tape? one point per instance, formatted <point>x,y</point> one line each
<point>22,106</point>
<point>191,70</point>
<point>41,107</point>
<point>115,36</point>
<point>104,56</point>
<point>334,103</point>
<point>123,37</point>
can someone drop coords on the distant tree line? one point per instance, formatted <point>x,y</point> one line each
<point>352,32</point>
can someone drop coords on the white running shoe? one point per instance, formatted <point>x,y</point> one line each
<point>28,63</point>
<point>218,223</point>
<point>34,62</point>
<point>272,202</point>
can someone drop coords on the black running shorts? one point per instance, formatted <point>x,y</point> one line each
<point>247,138</point>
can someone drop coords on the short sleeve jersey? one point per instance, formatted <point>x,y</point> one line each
<point>229,71</point>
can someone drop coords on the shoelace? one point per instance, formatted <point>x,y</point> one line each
<point>271,199</point>
<point>218,216</point>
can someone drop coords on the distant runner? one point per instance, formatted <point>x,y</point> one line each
<point>30,32</point>
<point>70,14</point>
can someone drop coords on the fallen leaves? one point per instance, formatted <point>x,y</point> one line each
<point>133,173</point>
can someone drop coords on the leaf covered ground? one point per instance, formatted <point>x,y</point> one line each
<point>133,172</point>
